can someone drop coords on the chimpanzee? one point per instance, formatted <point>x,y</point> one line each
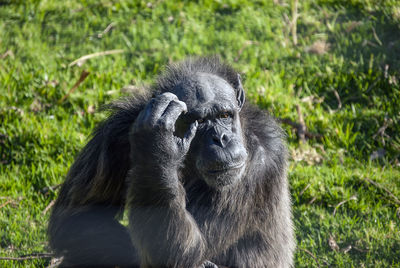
<point>201,173</point>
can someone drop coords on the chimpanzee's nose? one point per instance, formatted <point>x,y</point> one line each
<point>220,138</point>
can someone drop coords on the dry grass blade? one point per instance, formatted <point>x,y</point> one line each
<point>302,129</point>
<point>395,199</point>
<point>83,76</point>
<point>8,53</point>
<point>381,131</point>
<point>347,249</point>
<point>55,262</point>
<point>29,257</point>
<point>319,47</point>
<point>49,206</point>
<point>360,249</point>
<point>5,204</point>
<point>312,200</point>
<point>352,26</point>
<point>332,243</point>
<point>246,44</point>
<point>338,99</point>
<point>305,189</point>
<point>307,154</point>
<point>106,30</point>
<point>298,126</point>
<point>376,37</point>
<point>47,189</point>
<point>312,255</point>
<point>343,202</point>
<point>82,59</point>
<point>295,15</point>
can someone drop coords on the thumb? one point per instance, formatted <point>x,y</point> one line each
<point>189,135</point>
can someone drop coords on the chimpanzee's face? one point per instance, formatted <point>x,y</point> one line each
<point>217,152</point>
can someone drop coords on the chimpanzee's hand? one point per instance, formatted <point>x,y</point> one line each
<point>152,136</point>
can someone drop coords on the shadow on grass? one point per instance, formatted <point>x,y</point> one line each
<point>313,232</point>
<point>369,42</point>
<point>361,82</point>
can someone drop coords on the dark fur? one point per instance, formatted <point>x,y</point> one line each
<point>247,225</point>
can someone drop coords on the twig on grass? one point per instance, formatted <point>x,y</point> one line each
<point>376,37</point>
<point>82,59</point>
<point>319,47</point>
<point>368,89</point>
<point>386,71</point>
<point>305,189</point>
<point>6,203</point>
<point>395,199</point>
<point>46,189</point>
<point>83,76</point>
<point>360,249</point>
<point>367,42</point>
<point>12,202</point>
<point>343,202</point>
<point>8,53</point>
<point>293,23</point>
<point>29,257</point>
<point>49,206</point>
<point>106,30</point>
<point>297,126</point>
<point>347,249</point>
<point>312,255</point>
<point>312,200</point>
<point>55,262</point>
<point>338,99</point>
<point>381,131</point>
<point>332,243</point>
<point>246,44</point>
<point>302,129</point>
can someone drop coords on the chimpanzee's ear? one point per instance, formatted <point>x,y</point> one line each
<point>240,96</point>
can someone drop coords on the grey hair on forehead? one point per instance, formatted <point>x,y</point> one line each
<point>184,71</point>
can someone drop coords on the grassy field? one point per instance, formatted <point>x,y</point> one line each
<point>334,65</point>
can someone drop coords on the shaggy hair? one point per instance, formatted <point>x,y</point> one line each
<point>247,225</point>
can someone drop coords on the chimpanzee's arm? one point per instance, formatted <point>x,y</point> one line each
<point>83,226</point>
<point>163,232</point>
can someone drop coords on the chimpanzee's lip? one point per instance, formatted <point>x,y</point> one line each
<point>226,168</point>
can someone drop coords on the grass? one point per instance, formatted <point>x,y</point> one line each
<point>343,74</point>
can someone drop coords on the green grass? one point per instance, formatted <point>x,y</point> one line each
<point>39,136</point>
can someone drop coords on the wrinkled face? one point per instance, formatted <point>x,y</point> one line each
<point>217,153</point>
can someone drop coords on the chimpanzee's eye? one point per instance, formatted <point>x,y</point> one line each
<point>225,115</point>
<point>200,120</point>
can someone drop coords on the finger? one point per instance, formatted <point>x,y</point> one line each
<point>144,114</point>
<point>159,105</point>
<point>190,134</point>
<point>171,114</point>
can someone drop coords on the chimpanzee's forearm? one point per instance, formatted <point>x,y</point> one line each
<point>160,227</point>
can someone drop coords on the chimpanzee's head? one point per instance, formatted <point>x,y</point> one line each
<point>217,153</point>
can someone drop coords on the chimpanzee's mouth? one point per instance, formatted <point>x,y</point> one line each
<point>226,168</point>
